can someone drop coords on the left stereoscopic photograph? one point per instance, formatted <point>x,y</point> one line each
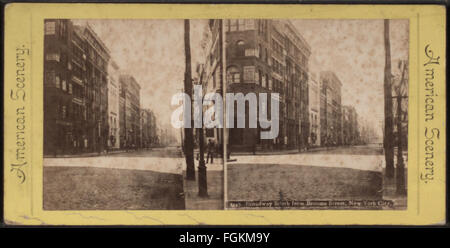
<point>109,140</point>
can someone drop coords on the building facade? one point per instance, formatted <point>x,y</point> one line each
<point>350,126</point>
<point>148,128</point>
<point>208,74</point>
<point>129,110</point>
<point>113,105</point>
<point>269,56</point>
<point>330,109</point>
<point>314,110</point>
<point>97,59</point>
<point>75,89</point>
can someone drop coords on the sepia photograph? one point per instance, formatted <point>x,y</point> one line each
<point>342,92</point>
<point>310,114</point>
<point>109,142</point>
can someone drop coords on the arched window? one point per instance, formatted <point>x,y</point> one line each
<point>233,75</point>
<point>240,49</point>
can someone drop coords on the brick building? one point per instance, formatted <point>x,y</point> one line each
<point>148,128</point>
<point>209,74</point>
<point>330,109</point>
<point>113,105</point>
<point>265,56</point>
<point>314,110</point>
<point>75,89</point>
<point>129,112</point>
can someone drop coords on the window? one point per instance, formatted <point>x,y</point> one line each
<point>50,78</point>
<point>240,50</point>
<point>64,85</point>
<point>260,51</point>
<point>57,83</point>
<point>233,25</point>
<point>250,52</point>
<point>241,24</point>
<point>62,29</point>
<point>264,81</point>
<point>52,57</point>
<point>266,58</point>
<point>63,112</point>
<point>227,25</point>
<point>270,83</point>
<point>70,88</point>
<point>50,28</point>
<point>234,76</point>
<point>257,77</point>
<point>249,24</point>
<point>249,73</point>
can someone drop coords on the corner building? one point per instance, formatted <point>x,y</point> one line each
<point>269,56</point>
<point>75,89</point>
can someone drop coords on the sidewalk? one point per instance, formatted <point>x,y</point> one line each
<point>88,154</point>
<point>214,175</point>
<point>280,152</point>
<point>390,191</point>
<point>97,154</point>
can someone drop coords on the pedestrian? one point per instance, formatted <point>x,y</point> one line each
<point>210,151</point>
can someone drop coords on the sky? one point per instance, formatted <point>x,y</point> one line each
<point>354,50</point>
<point>153,52</point>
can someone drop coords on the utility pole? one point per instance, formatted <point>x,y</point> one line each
<point>388,120</point>
<point>189,139</point>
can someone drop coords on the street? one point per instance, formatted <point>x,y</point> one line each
<point>341,173</point>
<point>144,179</point>
<point>368,158</point>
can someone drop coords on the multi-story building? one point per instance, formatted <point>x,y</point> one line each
<point>147,128</point>
<point>59,123</point>
<point>75,92</point>
<point>153,126</point>
<point>129,110</point>
<point>330,109</point>
<point>209,75</point>
<point>350,125</point>
<point>297,93</point>
<point>314,110</point>
<point>269,56</point>
<point>113,105</point>
<point>97,59</point>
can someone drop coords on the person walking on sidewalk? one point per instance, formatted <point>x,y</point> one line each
<point>210,151</point>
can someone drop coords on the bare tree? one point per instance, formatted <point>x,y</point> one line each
<point>400,96</point>
<point>388,120</point>
<point>189,138</point>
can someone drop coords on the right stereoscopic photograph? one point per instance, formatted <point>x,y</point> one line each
<point>316,114</point>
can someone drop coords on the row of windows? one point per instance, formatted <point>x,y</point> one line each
<point>250,75</point>
<point>277,66</point>
<point>239,25</point>
<point>52,79</point>
<point>70,112</point>
<point>53,28</point>
<point>277,47</point>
